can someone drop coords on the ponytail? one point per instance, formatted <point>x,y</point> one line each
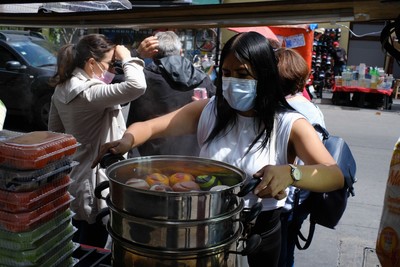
<point>66,64</point>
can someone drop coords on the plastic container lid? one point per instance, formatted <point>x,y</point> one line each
<point>7,134</point>
<point>60,258</point>
<point>37,256</point>
<point>16,202</point>
<point>34,238</point>
<point>35,150</point>
<point>23,181</point>
<point>27,221</point>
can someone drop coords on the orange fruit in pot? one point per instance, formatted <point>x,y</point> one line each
<point>180,177</point>
<point>157,178</point>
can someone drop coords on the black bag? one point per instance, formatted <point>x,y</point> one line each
<point>326,209</point>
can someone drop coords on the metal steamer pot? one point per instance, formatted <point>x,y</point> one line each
<point>172,206</point>
<point>223,255</point>
<point>167,228</point>
<point>175,235</point>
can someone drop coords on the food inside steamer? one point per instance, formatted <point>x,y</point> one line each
<point>177,182</point>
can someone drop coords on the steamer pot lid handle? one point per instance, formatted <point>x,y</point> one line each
<point>103,213</point>
<point>250,214</point>
<point>99,188</point>
<point>109,159</point>
<point>248,187</point>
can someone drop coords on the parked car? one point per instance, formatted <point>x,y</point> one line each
<point>27,61</point>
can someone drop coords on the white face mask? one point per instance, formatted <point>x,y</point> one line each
<point>105,77</point>
<point>239,93</point>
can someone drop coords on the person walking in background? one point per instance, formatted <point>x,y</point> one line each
<point>294,73</point>
<point>250,125</point>
<point>87,106</point>
<point>339,59</point>
<point>171,80</point>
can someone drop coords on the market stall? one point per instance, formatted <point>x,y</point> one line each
<point>363,86</point>
<point>343,93</point>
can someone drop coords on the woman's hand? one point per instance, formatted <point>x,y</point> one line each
<point>121,147</point>
<point>121,53</point>
<point>274,181</point>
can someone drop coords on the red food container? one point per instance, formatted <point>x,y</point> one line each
<point>35,150</point>
<point>27,221</point>
<point>16,202</point>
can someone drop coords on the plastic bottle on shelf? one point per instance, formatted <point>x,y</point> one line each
<point>389,81</point>
<point>205,63</point>
<point>368,73</point>
<point>361,71</point>
<point>374,77</point>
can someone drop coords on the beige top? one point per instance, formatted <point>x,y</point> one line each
<point>90,110</point>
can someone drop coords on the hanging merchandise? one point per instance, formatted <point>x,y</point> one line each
<point>322,61</point>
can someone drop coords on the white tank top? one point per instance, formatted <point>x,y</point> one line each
<point>231,147</point>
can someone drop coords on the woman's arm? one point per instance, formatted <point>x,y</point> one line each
<point>180,122</point>
<point>320,172</point>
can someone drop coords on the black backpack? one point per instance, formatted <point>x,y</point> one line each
<point>326,209</point>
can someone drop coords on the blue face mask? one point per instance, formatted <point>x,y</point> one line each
<point>239,93</point>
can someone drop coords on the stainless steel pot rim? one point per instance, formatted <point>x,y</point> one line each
<point>187,253</point>
<point>172,158</point>
<point>161,222</point>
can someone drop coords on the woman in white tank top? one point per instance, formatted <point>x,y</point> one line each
<point>250,125</point>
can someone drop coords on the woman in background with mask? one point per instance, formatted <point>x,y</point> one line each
<point>87,106</point>
<point>249,124</point>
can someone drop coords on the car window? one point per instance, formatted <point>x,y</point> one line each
<point>35,54</point>
<point>5,56</point>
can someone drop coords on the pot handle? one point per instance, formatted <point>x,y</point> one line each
<point>252,213</point>
<point>99,188</point>
<point>103,213</point>
<point>252,244</point>
<point>109,159</point>
<point>248,187</point>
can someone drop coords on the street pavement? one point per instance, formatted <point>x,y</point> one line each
<point>371,135</point>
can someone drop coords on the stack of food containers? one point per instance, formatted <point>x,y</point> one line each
<point>35,219</point>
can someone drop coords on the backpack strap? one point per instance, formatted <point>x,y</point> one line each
<point>297,225</point>
<point>321,130</point>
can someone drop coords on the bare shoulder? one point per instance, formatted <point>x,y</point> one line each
<point>302,128</point>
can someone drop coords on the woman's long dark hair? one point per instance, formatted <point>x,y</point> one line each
<point>71,56</point>
<point>255,49</point>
